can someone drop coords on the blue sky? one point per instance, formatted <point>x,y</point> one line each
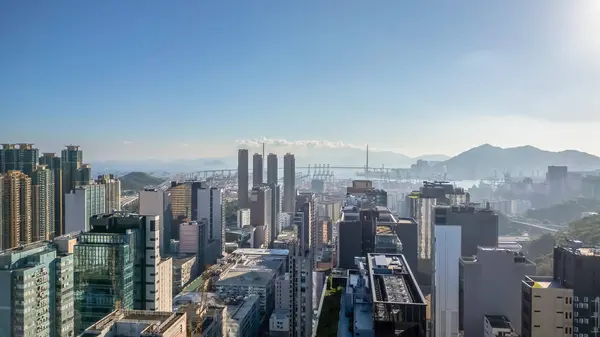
<point>139,79</point>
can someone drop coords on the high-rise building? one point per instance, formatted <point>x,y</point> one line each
<point>272,173</point>
<point>82,203</point>
<point>243,217</point>
<point>194,240</point>
<point>37,299</point>
<point>16,209</point>
<point>155,202</point>
<point>479,227</point>
<point>54,164</point>
<point>289,183</point>
<point>118,265</point>
<point>71,160</point>
<point>42,201</point>
<point>260,211</point>
<point>547,309</point>
<point>275,210</point>
<point>575,267</point>
<point>445,299</point>
<point>112,187</point>
<point>257,169</point>
<point>492,268</point>
<point>18,157</point>
<point>181,203</point>
<point>242,172</point>
<point>301,267</point>
<point>209,205</point>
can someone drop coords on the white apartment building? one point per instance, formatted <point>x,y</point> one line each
<point>241,317</point>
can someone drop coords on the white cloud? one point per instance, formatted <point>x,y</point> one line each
<point>257,143</point>
<point>127,142</point>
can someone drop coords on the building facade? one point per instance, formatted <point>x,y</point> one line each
<point>242,173</point>
<point>81,203</point>
<point>16,209</point>
<point>38,291</point>
<point>289,183</point>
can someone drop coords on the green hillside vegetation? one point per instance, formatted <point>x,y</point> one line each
<point>565,212</point>
<point>540,250</point>
<point>138,180</point>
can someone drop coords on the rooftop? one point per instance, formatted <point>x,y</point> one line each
<point>144,321</point>
<point>393,280</point>
<point>384,230</point>
<point>499,321</point>
<point>542,282</point>
<point>261,251</point>
<point>239,309</point>
<point>406,221</point>
<point>254,277</point>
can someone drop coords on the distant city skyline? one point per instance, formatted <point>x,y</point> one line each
<point>170,81</point>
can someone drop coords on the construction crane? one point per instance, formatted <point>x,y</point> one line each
<point>207,281</point>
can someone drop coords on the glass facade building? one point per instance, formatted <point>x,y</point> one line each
<point>104,275</point>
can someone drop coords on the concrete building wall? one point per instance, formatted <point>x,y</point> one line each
<point>491,285</point>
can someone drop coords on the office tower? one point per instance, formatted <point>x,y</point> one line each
<point>112,187</point>
<point>155,202</point>
<point>445,297</point>
<point>272,173</point>
<point>2,229</point>
<point>71,161</point>
<point>16,209</point>
<point>118,265</point>
<point>260,212</point>
<point>81,203</point>
<point>42,201</point>
<point>349,243</point>
<point>275,210</point>
<point>136,323</point>
<point>194,240</point>
<point>397,301</point>
<point>421,209</point>
<point>209,206</point>
<point>289,183</point>
<point>257,169</point>
<point>181,203</point>
<point>305,203</point>
<point>243,217</point>
<point>492,268</point>
<point>575,267</point>
<point>18,157</point>
<point>479,227</point>
<point>53,163</point>
<point>242,173</point>
<point>547,309</point>
<point>37,299</point>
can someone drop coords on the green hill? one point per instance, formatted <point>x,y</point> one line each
<point>138,180</point>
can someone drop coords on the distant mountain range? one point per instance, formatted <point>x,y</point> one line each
<point>488,161</point>
<point>479,162</point>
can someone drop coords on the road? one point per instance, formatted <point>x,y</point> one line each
<point>546,228</point>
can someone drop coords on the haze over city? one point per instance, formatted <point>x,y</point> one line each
<point>188,80</point>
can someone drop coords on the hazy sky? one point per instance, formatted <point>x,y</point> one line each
<point>138,79</point>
